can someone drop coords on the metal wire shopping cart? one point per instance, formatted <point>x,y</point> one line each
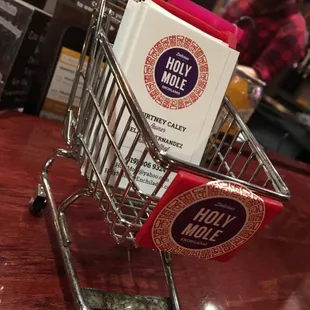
<point>126,209</point>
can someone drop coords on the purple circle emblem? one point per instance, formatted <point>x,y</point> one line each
<point>176,73</point>
<point>208,223</point>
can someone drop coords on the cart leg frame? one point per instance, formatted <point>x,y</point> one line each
<point>65,251</point>
<point>86,298</point>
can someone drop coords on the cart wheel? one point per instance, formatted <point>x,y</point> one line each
<point>36,205</point>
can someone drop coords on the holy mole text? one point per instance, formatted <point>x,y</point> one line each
<point>176,73</point>
<point>216,221</point>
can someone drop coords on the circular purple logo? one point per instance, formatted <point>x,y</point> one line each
<point>176,72</point>
<point>208,223</point>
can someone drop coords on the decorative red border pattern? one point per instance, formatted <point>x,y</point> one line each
<point>253,204</point>
<point>149,69</point>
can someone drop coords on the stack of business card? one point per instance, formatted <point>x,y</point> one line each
<point>179,75</point>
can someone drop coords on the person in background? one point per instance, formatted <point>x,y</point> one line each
<point>274,39</point>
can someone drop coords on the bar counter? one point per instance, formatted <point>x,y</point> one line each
<point>272,272</point>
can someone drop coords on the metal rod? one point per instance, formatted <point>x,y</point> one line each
<point>65,251</point>
<point>62,209</point>
<point>166,259</point>
<point>89,77</point>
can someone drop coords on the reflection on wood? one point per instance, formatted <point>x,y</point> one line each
<point>271,272</point>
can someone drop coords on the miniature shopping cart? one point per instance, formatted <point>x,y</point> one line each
<point>126,209</point>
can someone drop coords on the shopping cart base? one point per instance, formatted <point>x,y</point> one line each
<point>85,298</point>
<point>98,300</point>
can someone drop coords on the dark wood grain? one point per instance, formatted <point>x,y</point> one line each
<point>270,273</point>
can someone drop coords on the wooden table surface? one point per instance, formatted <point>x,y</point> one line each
<point>271,273</point>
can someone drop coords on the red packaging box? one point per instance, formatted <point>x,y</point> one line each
<point>224,36</point>
<point>206,219</point>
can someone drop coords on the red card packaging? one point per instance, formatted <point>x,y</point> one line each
<point>206,219</point>
<point>224,36</point>
<point>207,16</point>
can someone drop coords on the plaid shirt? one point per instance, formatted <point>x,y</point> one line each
<point>279,40</point>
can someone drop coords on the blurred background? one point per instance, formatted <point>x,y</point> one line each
<point>275,100</point>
